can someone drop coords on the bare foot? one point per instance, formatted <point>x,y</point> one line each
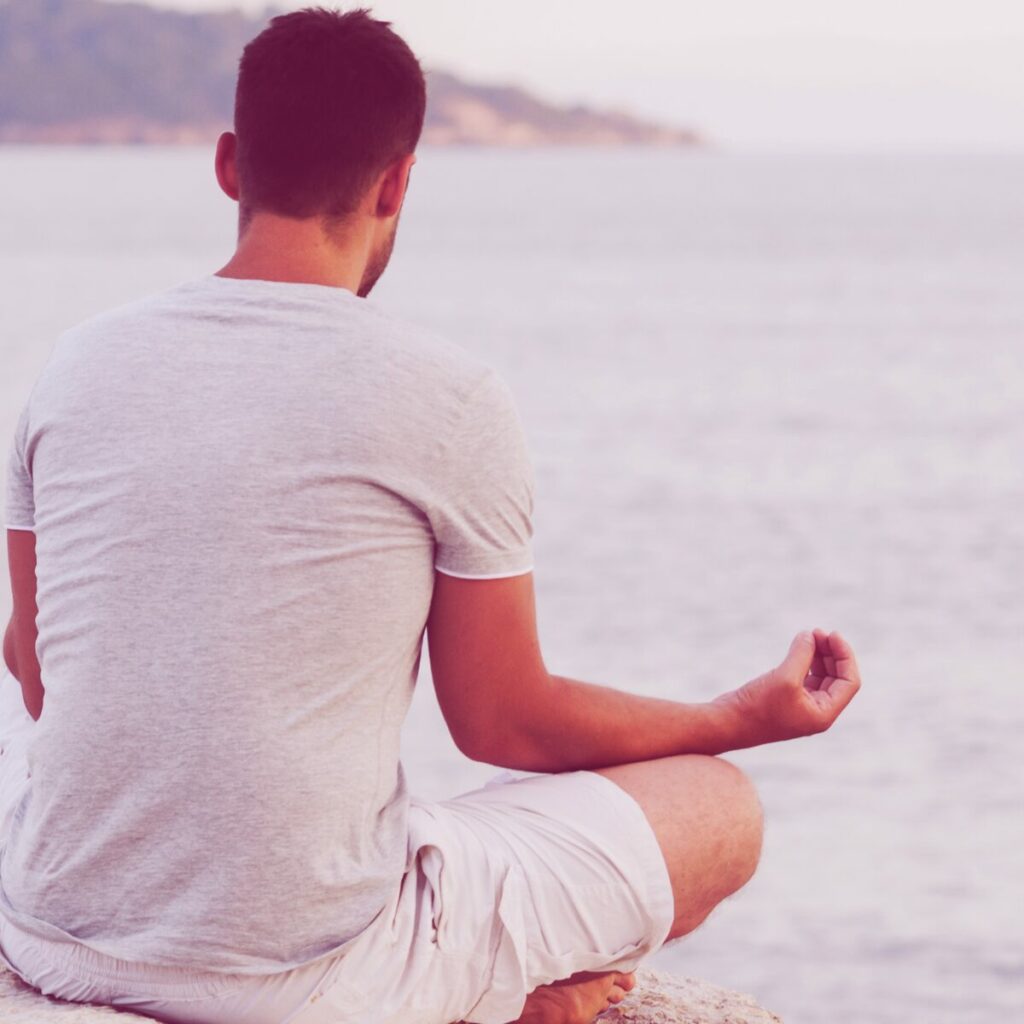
<point>577,999</point>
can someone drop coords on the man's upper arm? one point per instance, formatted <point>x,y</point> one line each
<point>21,561</point>
<point>20,519</point>
<point>486,662</point>
<point>481,629</point>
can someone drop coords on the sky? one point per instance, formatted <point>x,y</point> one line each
<point>783,75</point>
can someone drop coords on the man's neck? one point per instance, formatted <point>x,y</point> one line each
<point>276,248</point>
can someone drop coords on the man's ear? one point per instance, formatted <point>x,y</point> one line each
<point>224,165</point>
<point>392,185</point>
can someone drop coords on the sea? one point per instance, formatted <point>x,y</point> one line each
<point>763,393</point>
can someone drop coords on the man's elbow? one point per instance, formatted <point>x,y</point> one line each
<point>487,749</point>
<point>508,741</point>
<point>515,756</point>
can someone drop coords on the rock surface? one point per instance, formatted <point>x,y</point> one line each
<point>658,998</point>
<point>22,1004</point>
<point>663,998</point>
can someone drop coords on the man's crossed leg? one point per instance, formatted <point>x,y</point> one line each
<point>709,823</point>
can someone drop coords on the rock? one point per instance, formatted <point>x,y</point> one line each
<point>663,998</point>
<point>22,1004</point>
<point>658,998</point>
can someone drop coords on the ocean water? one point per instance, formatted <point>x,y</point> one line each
<point>762,394</point>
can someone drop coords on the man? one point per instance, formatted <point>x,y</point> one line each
<point>233,509</point>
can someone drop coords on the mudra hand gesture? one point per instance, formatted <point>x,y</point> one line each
<point>801,696</point>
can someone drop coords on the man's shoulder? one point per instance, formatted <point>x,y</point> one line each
<point>410,348</point>
<point>428,349</point>
<point>126,312</point>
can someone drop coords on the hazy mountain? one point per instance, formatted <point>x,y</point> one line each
<point>88,71</point>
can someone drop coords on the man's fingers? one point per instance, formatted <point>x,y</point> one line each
<point>824,648</point>
<point>845,660</point>
<point>839,693</point>
<point>797,662</point>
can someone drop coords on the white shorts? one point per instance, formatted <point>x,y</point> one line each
<point>523,881</point>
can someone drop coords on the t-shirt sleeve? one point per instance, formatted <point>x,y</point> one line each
<point>482,512</point>
<point>19,503</point>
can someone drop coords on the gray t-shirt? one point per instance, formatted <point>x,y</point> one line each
<point>240,490</point>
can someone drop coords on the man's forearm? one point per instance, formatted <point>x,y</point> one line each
<point>585,725</point>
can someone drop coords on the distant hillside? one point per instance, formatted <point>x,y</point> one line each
<point>458,111</point>
<point>85,71</point>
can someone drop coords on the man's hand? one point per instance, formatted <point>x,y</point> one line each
<point>802,696</point>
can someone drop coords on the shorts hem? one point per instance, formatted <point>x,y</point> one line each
<point>660,894</point>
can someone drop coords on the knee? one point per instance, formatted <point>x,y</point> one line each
<point>732,820</point>
<point>730,814</point>
<point>746,814</point>
<point>723,846</point>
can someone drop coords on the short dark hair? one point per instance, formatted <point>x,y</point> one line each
<point>324,101</point>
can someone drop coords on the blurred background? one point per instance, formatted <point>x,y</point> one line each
<point>754,273</point>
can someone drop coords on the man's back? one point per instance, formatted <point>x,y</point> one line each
<point>240,491</point>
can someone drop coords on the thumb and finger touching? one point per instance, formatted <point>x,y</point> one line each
<point>828,655</point>
<point>825,665</point>
<point>841,678</point>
